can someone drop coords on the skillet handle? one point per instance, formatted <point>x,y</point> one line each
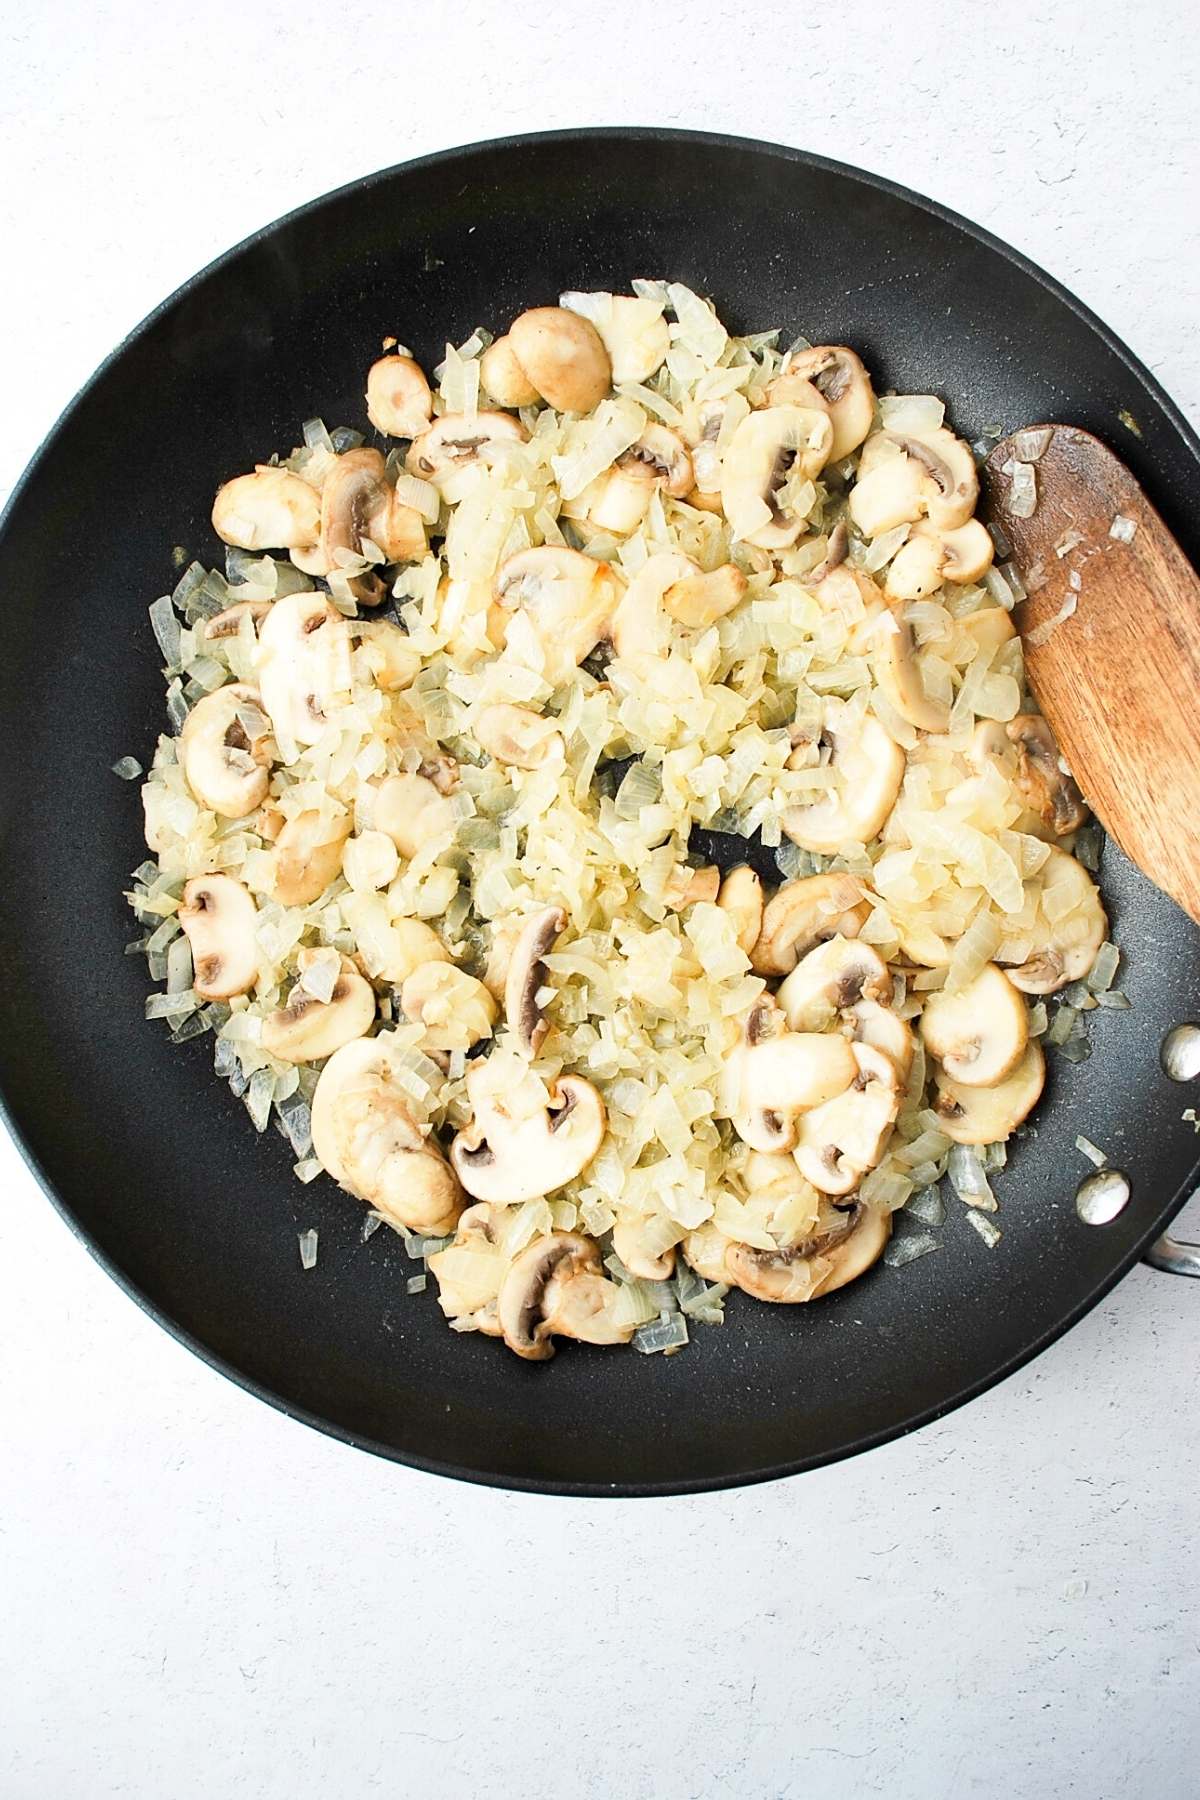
<point>1174,1258</point>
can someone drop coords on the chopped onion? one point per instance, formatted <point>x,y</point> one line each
<point>1069,541</point>
<point>165,626</point>
<point>1088,1149</point>
<point>1030,445</point>
<point>967,1176</point>
<point>1100,975</point>
<point>1114,1001</point>
<point>127,767</point>
<point>989,1232</point>
<point>909,1248</point>
<point>1122,529</point>
<point>1022,494</point>
<point>1041,634</point>
<point>911,414</point>
<point>416,1284</point>
<point>927,1205</point>
<point>670,1333</point>
<point>308,1248</point>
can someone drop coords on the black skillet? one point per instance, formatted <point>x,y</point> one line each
<point>144,1150</point>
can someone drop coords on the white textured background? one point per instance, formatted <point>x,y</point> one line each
<point>198,1598</point>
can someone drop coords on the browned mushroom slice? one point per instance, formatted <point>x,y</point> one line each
<point>563,356</point>
<point>1041,780</point>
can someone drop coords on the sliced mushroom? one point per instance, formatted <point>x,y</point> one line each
<point>308,1029</point>
<point>845,387</point>
<point>568,598</point>
<point>564,357</point>
<point>365,1135</point>
<point>228,623</point>
<point>526,975</point>
<point>224,751</point>
<point>690,887</point>
<point>898,671</point>
<point>1044,785</point>
<point>639,626</point>
<point>838,1142</point>
<point>1065,945</point>
<point>218,917</point>
<point>665,454</point>
<point>762,454</point>
<point>989,1115</point>
<point>740,895</point>
<point>870,767</point>
<point>470,1271</point>
<point>619,500</point>
<point>303,662</point>
<point>641,1259</point>
<point>928,558</point>
<point>633,331</point>
<point>773,1075</point>
<point>905,478</point>
<point>399,403</point>
<point>700,600</point>
<point>557,1285</point>
<point>503,377</point>
<point>517,737</point>
<point>308,856</point>
<point>453,441</point>
<point>804,913</point>
<point>704,1250</point>
<point>454,1010</point>
<point>505,1159</point>
<point>979,1032</point>
<point>410,810</point>
<point>505,933</point>
<point>358,503</point>
<point>272,509</point>
<point>831,979</point>
<point>837,1253</point>
<point>871,1022</point>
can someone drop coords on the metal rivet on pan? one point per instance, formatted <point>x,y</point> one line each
<point>1181,1053</point>
<point>1100,1197</point>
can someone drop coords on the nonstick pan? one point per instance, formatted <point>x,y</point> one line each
<point>144,1150</point>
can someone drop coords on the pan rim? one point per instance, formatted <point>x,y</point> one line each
<point>568,1488</point>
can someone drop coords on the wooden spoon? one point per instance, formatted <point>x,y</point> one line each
<point>1112,643</point>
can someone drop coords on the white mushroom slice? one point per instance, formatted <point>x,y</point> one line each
<point>929,558</point>
<point>410,810</point>
<point>365,1135</point>
<point>503,377</point>
<point>563,356</point>
<point>904,478</point>
<point>389,654</point>
<point>831,979</point>
<point>303,662</point>
<point>226,765</point>
<point>898,671</point>
<point>218,918</point>
<point>526,975</point>
<point>1070,927</point>
<point>979,1032</point>
<point>804,913</point>
<point>640,1258</point>
<point>269,510</point>
<point>845,387</point>
<point>357,503</point>
<point>665,454</point>
<point>633,331</point>
<point>837,1143</point>
<point>870,767</point>
<point>568,598</point>
<point>989,1115</point>
<point>307,857</point>
<point>838,1252</point>
<point>871,1022</point>
<point>517,737</point>
<point>454,1010</point>
<point>470,1271</point>
<point>700,600</point>
<point>704,1249</point>
<point>399,403</point>
<point>761,456</point>
<point>620,499</point>
<point>453,441</point>
<point>1040,779</point>
<point>639,626</point>
<point>228,623</point>
<point>690,887</point>
<point>308,1029</point>
<point>557,1285</point>
<point>773,1074</point>
<point>507,1160</point>
<point>740,895</point>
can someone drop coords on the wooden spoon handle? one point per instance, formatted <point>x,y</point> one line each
<point>1112,643</point>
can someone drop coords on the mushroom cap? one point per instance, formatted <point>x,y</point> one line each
<point>845,388</point>
<point>453,440</point>
<point>832,1258</point>
<point>526,974</point>
<point>455,1010</point>
<point>758,461</point>
<point>226,767</point>
<point>365,1135</point>
<point>507,1160</point>
<point>698,601</point>
<point>870,765</point>
<point>272,509</point>
<point>807,912</point>
<point>902,478</point>
<point>979,1032</point>
<point>410,810</point>
<point>391,951</point>
<point>567,597</point>
<point>740,895</point>
<point>846,590</point>
<point>308,856</point>
<point>563,356</point>
<point>228,622</point>
<point>990,627</point>
<point>830,979</point>
<point>871,1023</point>
<point>989,1115</point>
<point>307,1029</point>
<point>1070,927</point>
<point>766,1084</point>
<point>838,1142</point>
<point>399,403</point>
<point>619,499</point>
<point>503,377</point>
<point>303,663</point>
<point>633,331</point>
<point>219,917</point>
